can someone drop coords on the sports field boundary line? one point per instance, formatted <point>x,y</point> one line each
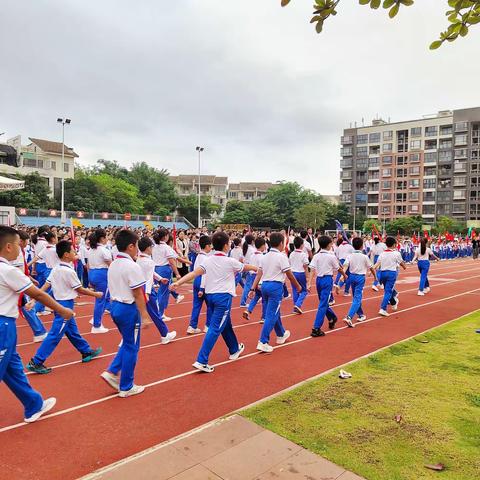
<point>227,416</point>
<point>226,362</point>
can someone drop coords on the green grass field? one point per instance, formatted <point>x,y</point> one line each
<point>434,386</point>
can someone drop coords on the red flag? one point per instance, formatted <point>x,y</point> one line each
<point>174,235</point>
<point>415,239</point>
<point>375,232</point>
<point>287,242</point>
<point>398,239</point>
<point>425,235</point>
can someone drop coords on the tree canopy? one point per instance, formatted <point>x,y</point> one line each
<point>35,195</point>
<point>461,15</point>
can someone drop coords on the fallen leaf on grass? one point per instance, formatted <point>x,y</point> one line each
<point>439,467</point>
<point>398,418</point>
<point>421,340</point>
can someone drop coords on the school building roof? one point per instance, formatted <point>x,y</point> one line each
<point>53,147</point>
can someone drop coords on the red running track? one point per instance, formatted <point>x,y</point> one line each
<point>91,427</point>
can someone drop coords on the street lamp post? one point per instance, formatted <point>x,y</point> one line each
<point>199,150</point>
<point>62,167</point>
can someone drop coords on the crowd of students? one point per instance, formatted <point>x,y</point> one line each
<point>132,274</point>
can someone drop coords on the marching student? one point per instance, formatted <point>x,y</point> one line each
<point>388,263</point>
<point>323,266</point>
<point>375,252</point>
<point>144,259</point>
<point>205,244</point>
<point>65,286</point>
<point>82,260</point>
<point>12,283</point>
<point>99,258</point>
<point>237,253</point>
<point>274,268</point>
<point>30,315</point>
<point>248,251</point>
<point>307,248</point>
<point>219,271</point>
<point>260,246</point>
<point>344,249</point>
<point>39,267</point>
<point>128,311</point>
<point>357,264</point>
<point>165,258</point>
<point>299,261</point>
<point>423,254</point>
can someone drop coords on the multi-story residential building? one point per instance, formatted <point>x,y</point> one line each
<point>210,185</point>
<point>248,191</point>
<point>42,156</point>
<point>428,167</point>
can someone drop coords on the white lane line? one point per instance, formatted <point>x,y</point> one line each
<point>249,355</point>
<point>446,282</point>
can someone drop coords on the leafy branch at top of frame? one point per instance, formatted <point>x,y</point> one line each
<point>462,14</point>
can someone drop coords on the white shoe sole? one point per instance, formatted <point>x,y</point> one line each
<point>282,340</point>
<point>135,390</point>
<point>203,368</point>
<point>264,348</point>
<point>48,404</point>
<point>241,348</point>
<point>384,314</point>
<point>111,381</point>
<point>349,323</point>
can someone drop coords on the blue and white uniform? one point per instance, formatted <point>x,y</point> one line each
<point>389,262</point>
<point>298,260</point>
<point>162,254</point>
<point>423,266</point>
<point>98,261</point>
<point>250,276</point>
<point>199,286</point>
<point>358,264</point>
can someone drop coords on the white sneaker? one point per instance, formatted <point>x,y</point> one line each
<point>383,313</point>
<point>135,390</point>
<point>344,374</point>
<point>203,367</point>
<point>426,290</point>
<point>349,322</point>
<point>47,405</point>
<point>281,340</point>
<point>375,288</point>
<point>193,331</point>
<point>179,298</point>
<point>264,347</point>
<point>262,320</point>
<point>42,314</point>
<point>420,294</point>
<point>166,319</point>
<point>90,321</point>
<point>40,338</point>
<point>205,329</point>
<point>100,329</point>
<point>362,318</point>
<point>241,348</point>
<point>111,379</point>
<point>397,303</point>
<point>169,337</point>
<point>331,303</point>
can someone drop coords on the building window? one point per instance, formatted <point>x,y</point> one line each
<point>461,153</point>
<point>401,172</point>
<point>459,194</point>
<point>414,157</point>
<point>402,160</point>
<point>373,162</point>
<point>66,167</point>
<point>374,138</point>
<point>386,197</point>
<point>362,163</point>
<point>386,172</point>
<point>429,183</point>
<point>414,170</point>
<point>362,151</point>
<point>234,194</point>
<point>428,196</point>
<point>445,156</point>
<point>387,147</point>
<point>430,144</point>
<point>461,127</point>
<point>443,196</point>
<point>416,144</point>
<point>413,208</point>
<point>388,135</point>
<point>346,187</point>
<point>386,209</point>
<point>459,181</point>
<point>429,210</point>
<point>414,183</point>
<point>362,139</point>
<point>416,132</point>
<point>30,162</point>
<point>446,130</point>
<point>430,131</point>
<point>386,185</point>
<point>413,196</point>
<point>53,165</point>
<point>429,171</point>
<point>387,160</point>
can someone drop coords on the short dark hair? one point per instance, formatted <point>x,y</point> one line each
<point>219,240</point>
<point>259,242</point>
<point>23,235</point>
<point>276,239</point>
<point>324,241</point>
<point>303,234</point>
<point>237,241</point>
<point>160,235</point>
<point>63,247</point>
<point>7,235</point>
<point>376,240</point>
<point>204,241</point>
<point>144,243</point>
<point>357,243</point>
<point>49,236</point>
<point>124,238</point>
<point>42,230</point>
<point>298,242</point>
<point>390,242</point>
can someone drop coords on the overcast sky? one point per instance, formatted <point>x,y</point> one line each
<point>249,80</point>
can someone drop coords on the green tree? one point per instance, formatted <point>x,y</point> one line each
<point>235,212</point>
<point>263,213</point>
<point>188,207</point>
<point>369,224</point>
<point>82,193</point>
<point>117,195</point>
<point>36,193</point>
<point>110,167</point>
<point>312,215</point>
<point>448,224</point>
<point>404,225</point>
<point>155,188</point>
<point>337,212</point>
<point>461,15</point>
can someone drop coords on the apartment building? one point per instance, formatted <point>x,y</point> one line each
<point>248,191</point>
<point>428,167</point>
<point>42,156</point>
<point>210,185</point>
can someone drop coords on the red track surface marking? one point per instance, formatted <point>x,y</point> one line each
<point>91,428</point>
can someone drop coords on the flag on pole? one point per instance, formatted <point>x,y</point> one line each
<point>287,242</point>
<point>174,235</point>
<point>72,238</point>
<point>398,239</point>
<point>375,232</point>
<point>341,229</point>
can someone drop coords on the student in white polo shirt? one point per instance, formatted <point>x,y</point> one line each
<point>272,273</point>
<point>357,264</point>
<point>377,248</point>
<point>256,259</point>
<point>128,311</point>
<point>39,267</point>
<point>299,261</point>
<point>388,263</point>
<point>323,266</point>
<point>12,283</point>
<point>65,285</point>
<point>343,250</point>
<point>219,272</point>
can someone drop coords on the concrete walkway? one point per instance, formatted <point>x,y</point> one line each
<point>228,449</point>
